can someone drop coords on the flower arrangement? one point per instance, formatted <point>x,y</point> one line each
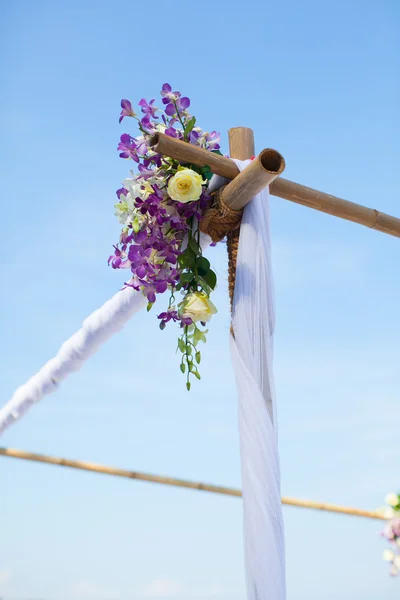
<point>160,208</point>
<point>392,532</point>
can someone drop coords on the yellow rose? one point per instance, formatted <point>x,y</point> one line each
<point>198,307</point>
<point>185,186</point>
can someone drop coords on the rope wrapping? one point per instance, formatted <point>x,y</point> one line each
<point>219,222</point>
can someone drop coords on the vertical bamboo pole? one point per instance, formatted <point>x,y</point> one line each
<point>241,143</point>
<point>241,146</point>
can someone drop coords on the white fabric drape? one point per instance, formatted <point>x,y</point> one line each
<point>252,352</point>
<point>96,329</point>
<point>102,324</point>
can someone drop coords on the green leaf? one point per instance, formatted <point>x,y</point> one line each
<point>181,346</point>
<point>206,288</point>
<point>189,126</point>
<point>188,386</point>
<point>188,349</point>
<point>217,152</point>
<point>203,266</point>
<point>187,258</point>
<point>199,336</point>
<point>210,278</point>
<point>183,367</point>
<point>198,357</point>
<point>186,277</point>
<point>207,175</point>
<point>193,245</point>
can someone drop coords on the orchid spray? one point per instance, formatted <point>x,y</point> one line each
<point>392,532</point>
<point>160,208</point>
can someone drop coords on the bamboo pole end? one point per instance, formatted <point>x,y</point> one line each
<point>154,140</point>
<point>272,161</point>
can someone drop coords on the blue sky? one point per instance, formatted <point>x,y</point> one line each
<point>319,82</point>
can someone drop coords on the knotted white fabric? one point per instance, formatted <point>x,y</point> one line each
<point>102,324</point>
<point>252,353</point>
<point>96,329</point>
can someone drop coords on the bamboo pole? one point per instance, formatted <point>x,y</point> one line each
<point>188,153</point>
<point>288,190</point>
<point>182,483</point>
<point>241,143</point>
<point>262,172</point>
<point>241,146</point>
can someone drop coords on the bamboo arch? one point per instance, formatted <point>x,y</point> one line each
<point>183,483</point>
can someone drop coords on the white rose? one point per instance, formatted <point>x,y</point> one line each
<point>392,499</point>
<point>198,307</point>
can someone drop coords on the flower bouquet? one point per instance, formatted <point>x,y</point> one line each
<point>160,208</point>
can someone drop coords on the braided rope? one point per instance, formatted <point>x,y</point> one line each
<point>219,222</point>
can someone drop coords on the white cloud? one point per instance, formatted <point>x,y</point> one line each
<point>86,590</point>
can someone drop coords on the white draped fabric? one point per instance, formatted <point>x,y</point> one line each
<point>96,329</point>
<point>252,353</point>
<point>100,326</point>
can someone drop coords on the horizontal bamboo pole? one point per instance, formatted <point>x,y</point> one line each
<point>268,165</point>
<point>188,153</point>
<point>193,485</point>
<point>288,190</point>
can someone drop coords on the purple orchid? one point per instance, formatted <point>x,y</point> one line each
<point>127,147</point>
<point>127,110</point>
<point>118,260</point>
<point>145,173</point>
<point>147,125</point>
<point>154,159</point>
<point>153,288</point>
<point>212,140</point>
<point>148,108</point>
<point>172,315</point>
<point>139,261</point>
<point>121,192</point>
<point>194,137</point>
<point>141,146</point>
<point>177,106</point>
<point>168,95</point>
<point>172,132</point>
